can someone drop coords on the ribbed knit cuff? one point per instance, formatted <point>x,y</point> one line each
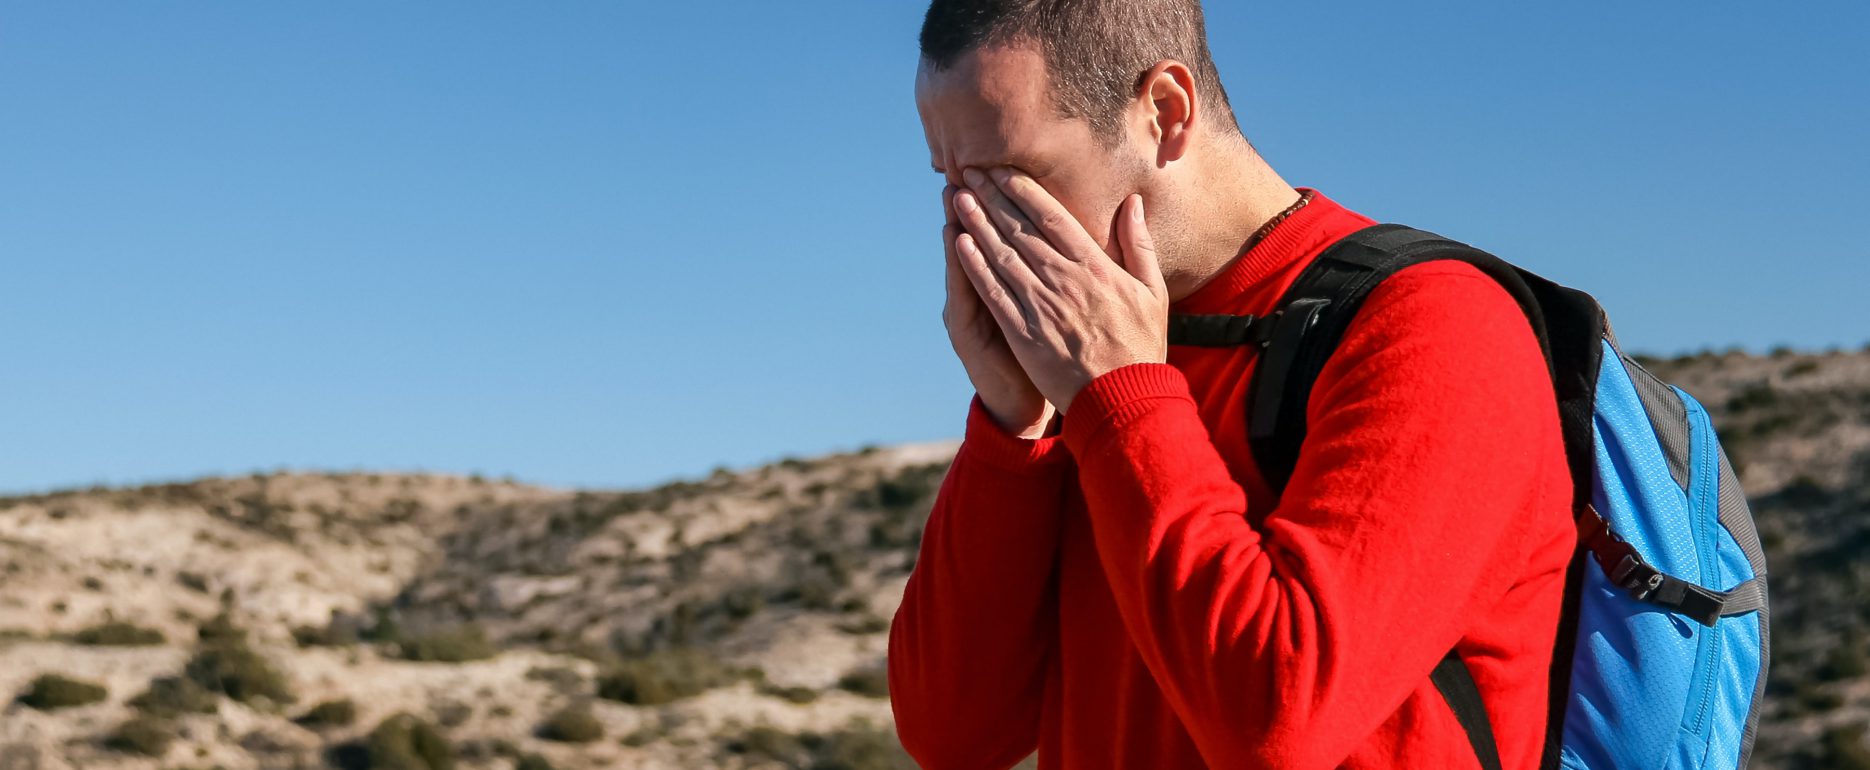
<point>1118,396</point>
<point>990,443</point>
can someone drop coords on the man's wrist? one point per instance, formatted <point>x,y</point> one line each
<point>1052,426</point>
<point>1046,429</point>
<point>1009,449</point>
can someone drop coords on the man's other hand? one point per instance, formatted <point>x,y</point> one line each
<point>1004,389</point>
<point>1068,311</point>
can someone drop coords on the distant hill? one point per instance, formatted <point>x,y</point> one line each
<point>733,621</point>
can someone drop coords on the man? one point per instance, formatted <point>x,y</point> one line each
<point>1105,576</point>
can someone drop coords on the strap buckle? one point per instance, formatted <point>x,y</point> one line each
<point>1627,570</point>
<point>1634,575</point>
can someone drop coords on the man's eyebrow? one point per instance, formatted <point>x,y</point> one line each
<point>1010,163</point>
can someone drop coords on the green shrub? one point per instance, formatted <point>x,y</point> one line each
<point>867,623</point>
<point>455,644</point>
<point>793,694</point>
<point>452,713</point>
<point>406,742</point>
<point>860,746</point>
<point>146,735</point>
<point>873,682</point>
<point>233,668</point>
<point>220,628</point>
<point>117,633</point>
<point>52,691</point>
<point>1803,490</point>
<point>564,679</point>
<point>769,742</point>
<point>743,601</point>
<point>332,634</point>
<point>482,751</point>
<point>909,487</point>
<point>1846,660</point>
<point>572,724</point>
<point>1844,748</point>
<point>533,762</point>
<point>664,677</point>
<point>1817,698</point>
<point>382,627</point>
<point>815,590</point>
<point>1753,396</point>
<point>172,696</point>
<point>331,713</point>
<point>193,581</point>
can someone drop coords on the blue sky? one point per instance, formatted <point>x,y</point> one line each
<point>614,244</point>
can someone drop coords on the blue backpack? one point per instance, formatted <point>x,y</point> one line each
<point>1660,660</point>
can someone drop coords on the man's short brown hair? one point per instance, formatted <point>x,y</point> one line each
<point>1096,51</point>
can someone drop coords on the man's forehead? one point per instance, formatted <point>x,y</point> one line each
<point>977,110</point>
<point>1002,76</point>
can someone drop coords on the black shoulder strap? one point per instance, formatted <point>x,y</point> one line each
<point>1300,336</point>
<point>1318,308</point>
<point>1456,684</point>
<point>1313,316</point>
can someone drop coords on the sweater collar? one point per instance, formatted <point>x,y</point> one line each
<point>1297,236</point>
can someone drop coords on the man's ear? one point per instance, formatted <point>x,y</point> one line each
<point>1169,110</point>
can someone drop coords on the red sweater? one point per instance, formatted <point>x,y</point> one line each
<point>1128,593</point>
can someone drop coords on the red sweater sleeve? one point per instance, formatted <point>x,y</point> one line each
<point>1287,644</point>
<point>970,644</point>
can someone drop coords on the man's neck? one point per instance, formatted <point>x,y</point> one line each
<point>1234,196</point>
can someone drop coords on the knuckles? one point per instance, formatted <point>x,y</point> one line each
<point>1052,221</point>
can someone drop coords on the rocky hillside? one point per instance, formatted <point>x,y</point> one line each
<point>734,621</point>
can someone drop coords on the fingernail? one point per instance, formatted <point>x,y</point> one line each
<point>973,176</point>
<point>1136,211</point>
<point>964,201</point>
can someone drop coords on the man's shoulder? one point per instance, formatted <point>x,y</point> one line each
<point>1448,297</point>
<point>1436,321</point>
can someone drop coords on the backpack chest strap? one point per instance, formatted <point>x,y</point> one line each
<point>1220,330</point>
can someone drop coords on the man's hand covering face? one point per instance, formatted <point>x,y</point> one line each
<point>1069,311</point>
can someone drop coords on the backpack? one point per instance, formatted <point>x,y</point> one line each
<point>1660,659</point>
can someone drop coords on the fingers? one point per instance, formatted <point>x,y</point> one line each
<point>957,282</point>
<point>958,285</point>
<point>963,305</point>
<point>1139,247</point>
<point>1055,223</point>
<point>1006,216</point>
<point>1008,270</point>
<point>963,301</point>
<point>1001,301</point>
<point>1002,221</point>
